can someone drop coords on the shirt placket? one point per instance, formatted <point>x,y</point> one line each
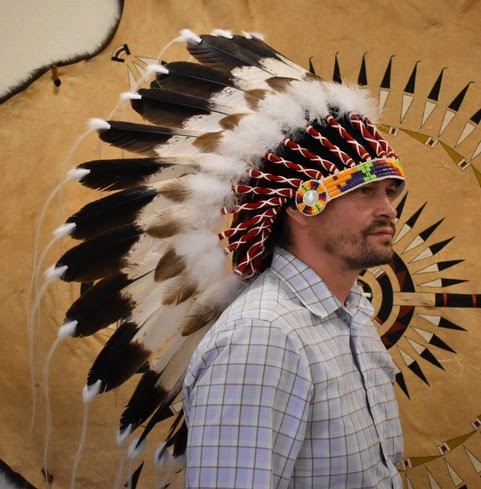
<point>362,365</point>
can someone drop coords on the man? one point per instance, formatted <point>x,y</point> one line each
<point>293,387</point>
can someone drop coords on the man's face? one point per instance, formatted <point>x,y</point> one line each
<point>357,229</point>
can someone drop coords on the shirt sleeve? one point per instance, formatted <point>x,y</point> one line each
<point>247,405</point>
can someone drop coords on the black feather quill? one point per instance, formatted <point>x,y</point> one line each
<point>115,210</point>
<point>99,256</point>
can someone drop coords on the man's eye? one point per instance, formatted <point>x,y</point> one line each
<point>365,190</point>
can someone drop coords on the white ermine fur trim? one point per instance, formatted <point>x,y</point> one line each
<point>188,36</point>
<point>98,124</point>
<point>222,33</point>
<point>67,330</point>
<point>91,391</point>
<point>64,230</point>
<point>77,173</point>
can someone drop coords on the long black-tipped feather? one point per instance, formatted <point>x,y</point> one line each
<point>144,401</point>
<point>99,256</point>
<point>116,174</point>
<point>223,54</point>
<point>194,78</point>
<point>119,359</point>
<point>139,138</point>
<point>101,305</point>
<point>115,210</point>
<point>160,413</point>
<point>258,48</point>
<point>170,108</point>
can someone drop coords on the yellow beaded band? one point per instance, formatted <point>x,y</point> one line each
<point>313,195</point>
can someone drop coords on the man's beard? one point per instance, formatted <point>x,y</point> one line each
<point>366,255</point>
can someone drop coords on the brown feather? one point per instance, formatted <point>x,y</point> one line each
<point>178,293</point>
<point>174,190</point>
<point>231,121</point>
<point>169,266</point>
<point>200,317</point>
<point>165,229</point>
<point>208,141</point>
<point>253,97</point>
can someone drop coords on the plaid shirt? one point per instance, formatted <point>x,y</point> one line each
<point>292,389</point>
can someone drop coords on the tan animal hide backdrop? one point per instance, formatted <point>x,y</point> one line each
<point>421,59</point>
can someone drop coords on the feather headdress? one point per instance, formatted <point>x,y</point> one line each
<point>230,142</point>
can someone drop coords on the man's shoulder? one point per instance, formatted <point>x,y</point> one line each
<point>268,298</point>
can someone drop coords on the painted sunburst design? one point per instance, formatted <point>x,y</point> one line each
<point>400,293</point>
<point>413,294</point>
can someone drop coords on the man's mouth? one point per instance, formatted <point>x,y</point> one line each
<point>385,230</point>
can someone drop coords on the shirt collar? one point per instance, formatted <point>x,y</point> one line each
<point>311,290</point>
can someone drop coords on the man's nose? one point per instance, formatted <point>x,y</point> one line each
<point>386,208</point>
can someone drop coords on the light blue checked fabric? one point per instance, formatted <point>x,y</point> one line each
<point>291,389</point>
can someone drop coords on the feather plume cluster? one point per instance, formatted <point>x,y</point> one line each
<point>227,141</point>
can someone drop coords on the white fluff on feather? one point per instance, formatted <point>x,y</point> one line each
<point>351,99</point>
<point>285,112</point>
<point>251,138</point>
<point>311,96</point>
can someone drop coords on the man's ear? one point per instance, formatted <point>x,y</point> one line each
<point>295,217</point>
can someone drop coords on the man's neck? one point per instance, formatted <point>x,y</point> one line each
<point>334,273</point>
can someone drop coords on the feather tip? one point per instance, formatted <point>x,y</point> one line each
<point>156,68</point>
<point>130,96</point>
<point>222,33</point>
<point>64,230</point>
<point>67,329</point>
<point>54,272</point>
<point>77,173</point>
<point>98,125</point>
<point>188,36</point>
